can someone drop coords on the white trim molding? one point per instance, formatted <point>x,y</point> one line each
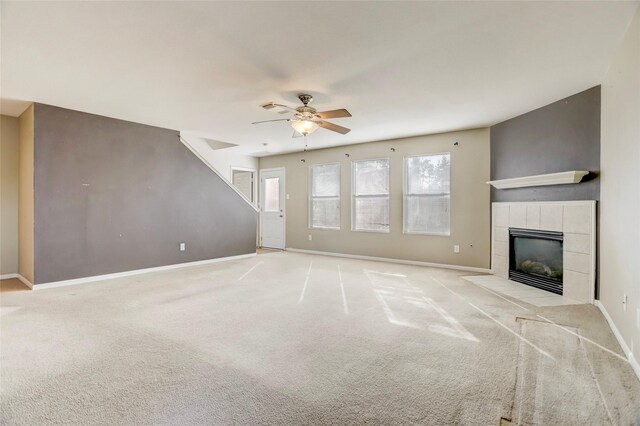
<point>625,348</point>
<point>391,260</point>
<point>25,281</point>
<point>562,178</point>
<point>8,276</point>
<point>96,278</point>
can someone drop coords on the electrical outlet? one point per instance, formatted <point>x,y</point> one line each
<point>183,246</point>
<point>456,249</point>
<point>624,302</point>
<point>310,237</point>
<point>287,196</point>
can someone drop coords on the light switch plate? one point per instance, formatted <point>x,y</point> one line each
<point>456,249</point>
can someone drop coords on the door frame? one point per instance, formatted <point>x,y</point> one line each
<point>284,202</point>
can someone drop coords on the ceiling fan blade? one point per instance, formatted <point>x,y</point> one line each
<point>284,108</point>
<point>336,113</point>
<point>296,134</point>
<point>333,127</point>
<point>270,121</point>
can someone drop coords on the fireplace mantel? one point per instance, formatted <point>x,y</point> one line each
<point>562,178</point>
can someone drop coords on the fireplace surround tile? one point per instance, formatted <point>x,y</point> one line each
<point>501,216</point>
<point>551,217</point>
<point>502,233</point>
<point>575,219</point>
<point>533,217</point>
<point>525,291</point>
<point>576,262</point>
<point>577,243</point>
<point>521,292</point>
<point>502,248</point>
<point>576,285</point>
<point>501,266</point>
<point>518,216</point>
<point>553,300</point>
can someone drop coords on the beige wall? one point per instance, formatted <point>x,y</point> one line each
<point>620,189</point>
<point>470,207</point>
<point>9,171</point>
<point>25,218</point>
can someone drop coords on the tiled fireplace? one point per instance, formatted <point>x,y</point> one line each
<point>563,233</point>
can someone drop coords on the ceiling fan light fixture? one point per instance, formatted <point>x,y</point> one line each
<point>304,127</point>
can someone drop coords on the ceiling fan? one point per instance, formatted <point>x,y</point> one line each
<point>306,119</point>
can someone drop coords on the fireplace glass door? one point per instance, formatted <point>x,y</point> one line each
<point>535,258</point>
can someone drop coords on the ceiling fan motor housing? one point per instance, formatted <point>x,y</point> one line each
<point>306,113</point>
<point>305,99</point>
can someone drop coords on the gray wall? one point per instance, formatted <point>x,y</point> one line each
<point>564,135</point>
<point>114,196</point>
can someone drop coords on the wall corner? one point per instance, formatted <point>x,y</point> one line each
<point>26,195</point>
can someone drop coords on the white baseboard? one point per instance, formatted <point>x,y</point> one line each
<point>25,281</point>
<point>8,276</point>
<point>19,277</point>
<point>391,260</point>
<point>134,272</point>
<point>625,348</point>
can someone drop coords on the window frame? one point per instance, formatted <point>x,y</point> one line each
<point>354,196</point>
<point>405,194</point>
<point>311,197</point>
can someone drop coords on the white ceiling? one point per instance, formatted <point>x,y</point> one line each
<point>402,69</point>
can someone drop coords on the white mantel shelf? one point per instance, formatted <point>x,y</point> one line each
<point>562,178</point>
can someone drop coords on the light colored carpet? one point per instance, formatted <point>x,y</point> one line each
<point>286,338</point>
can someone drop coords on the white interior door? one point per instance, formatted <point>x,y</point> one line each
<point>272,208</point>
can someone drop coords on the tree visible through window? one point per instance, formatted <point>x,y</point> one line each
<point>427,194</point>
<point>324,200</point>
<point>370,196</point>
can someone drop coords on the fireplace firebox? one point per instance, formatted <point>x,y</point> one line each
<point>535,258</point>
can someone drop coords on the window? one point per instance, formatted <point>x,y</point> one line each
<point>272,194</point>
<point>324,196</point>
<point>370,195</point>
<point>427,194</point>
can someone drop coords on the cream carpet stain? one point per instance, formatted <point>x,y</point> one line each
<point>287,338</point>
